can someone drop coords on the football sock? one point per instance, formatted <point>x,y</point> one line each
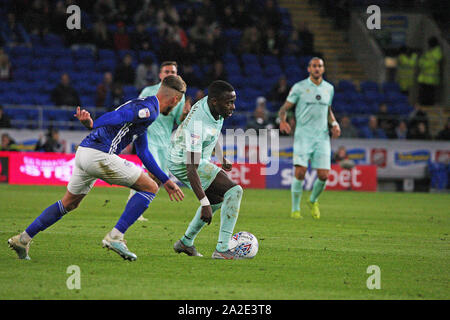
<point>318,187</point>
<point>296,193</point>
<point>48,217</point>
<point>133,210</point>
<point>196,225</point>
<point>228,216</point>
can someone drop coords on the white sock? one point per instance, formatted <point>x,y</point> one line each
<point>116,234</point>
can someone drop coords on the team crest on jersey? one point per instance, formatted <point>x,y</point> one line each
<point>144,113</point>
<point>318,97</point>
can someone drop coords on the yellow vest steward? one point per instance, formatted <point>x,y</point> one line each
<point>429,67</point>
<point>405,70</point>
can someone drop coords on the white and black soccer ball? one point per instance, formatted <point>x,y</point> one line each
<point>244,244</point>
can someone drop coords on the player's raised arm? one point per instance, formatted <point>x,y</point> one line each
<point>192,161</point>
<point>284,125</point>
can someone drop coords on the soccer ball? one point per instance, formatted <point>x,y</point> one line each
<point>244,244</point>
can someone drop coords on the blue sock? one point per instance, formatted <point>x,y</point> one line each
<point>48,217</point>
<point>133,210</point>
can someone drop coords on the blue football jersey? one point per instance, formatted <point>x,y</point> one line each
<point>113,139</point>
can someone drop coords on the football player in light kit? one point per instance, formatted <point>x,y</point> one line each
<point>312,99</point>
<point>97,158</point>
<point>189,161</point>
<point>160,131</point>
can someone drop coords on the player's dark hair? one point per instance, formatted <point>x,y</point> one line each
<point>174,82</point>
<point>168,63</point>
<point>218,88</point>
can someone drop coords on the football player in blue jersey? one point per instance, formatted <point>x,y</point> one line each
<point>97,158</point>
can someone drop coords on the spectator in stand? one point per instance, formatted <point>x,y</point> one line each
<point>372,131</point>
<point>5,121</point>
<point>147,16</point>
<point>307,39</point>
<point>207,10</point>
<point>401,131</point>
<point>251,41</point>
<point>101,36</point>
<point>430,72</point>
<point>141,38</point>
<point>146,73</point>
<point>271,15</point>
<point>64,94</point>
<point>229,20</point>
<point>279,91</point>
<point>122,14</point>
<point>190,77</point>
<point>125,73</point>
<point>8,144</point>
<point>444,134</point>
<point>121,38</point>
<point>272,43</point>
<point>341,157</point>
<point>116,97</point>
<point>13,33</point>
<point>105,10</point>
<point>180,36</point>
<point>386,121</point>
<point>294,44</point>
<point>217,43</point>
<point>415,117</point>
<point>103,89</point>
<point>5,67</point>
<point>199,34</point>
<point>217,72</point>
<point>242,15</point>
<point>421,132</point>
<point>260,118</point>
<point>52,142</point>
<point>58,18</point>
<point>37,17</point>
<point>348,131</point>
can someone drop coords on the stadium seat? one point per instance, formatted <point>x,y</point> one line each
<point>390,87</point>
<point>346,86</point>
<point>368,86</point>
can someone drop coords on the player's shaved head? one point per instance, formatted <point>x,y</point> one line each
<point>313,59</point>
<point>174,82</point>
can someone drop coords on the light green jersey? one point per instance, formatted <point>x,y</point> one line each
<point>160,131</point>
<point>311,107</point>
<point>198,133</point>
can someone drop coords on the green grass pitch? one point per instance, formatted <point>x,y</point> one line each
<point>405,235</point>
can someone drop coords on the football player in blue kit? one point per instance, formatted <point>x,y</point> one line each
<point>97,158</point>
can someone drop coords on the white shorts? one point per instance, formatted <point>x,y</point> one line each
<point>92,164</point>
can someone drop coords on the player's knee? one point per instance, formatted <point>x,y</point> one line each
<point>237,191</point>
<point>323,176</point>
<point>151,186</point>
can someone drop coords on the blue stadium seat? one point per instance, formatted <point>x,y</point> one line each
<point>106,54</point>
<point>390,87</point>
<point>248,58</point>
<point>368,86</point>
<point>273,70</point>
<point>232,68</point>
<point>346,86</point>
<point>106,65</point>
<point>253,69</point>
<point>53,40</point>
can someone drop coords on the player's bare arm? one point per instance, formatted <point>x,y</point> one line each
<point>335,128</point>
<point>186,109</point>
<point>193,159</point>
<point>284,125</point>
<point>84,117</point>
